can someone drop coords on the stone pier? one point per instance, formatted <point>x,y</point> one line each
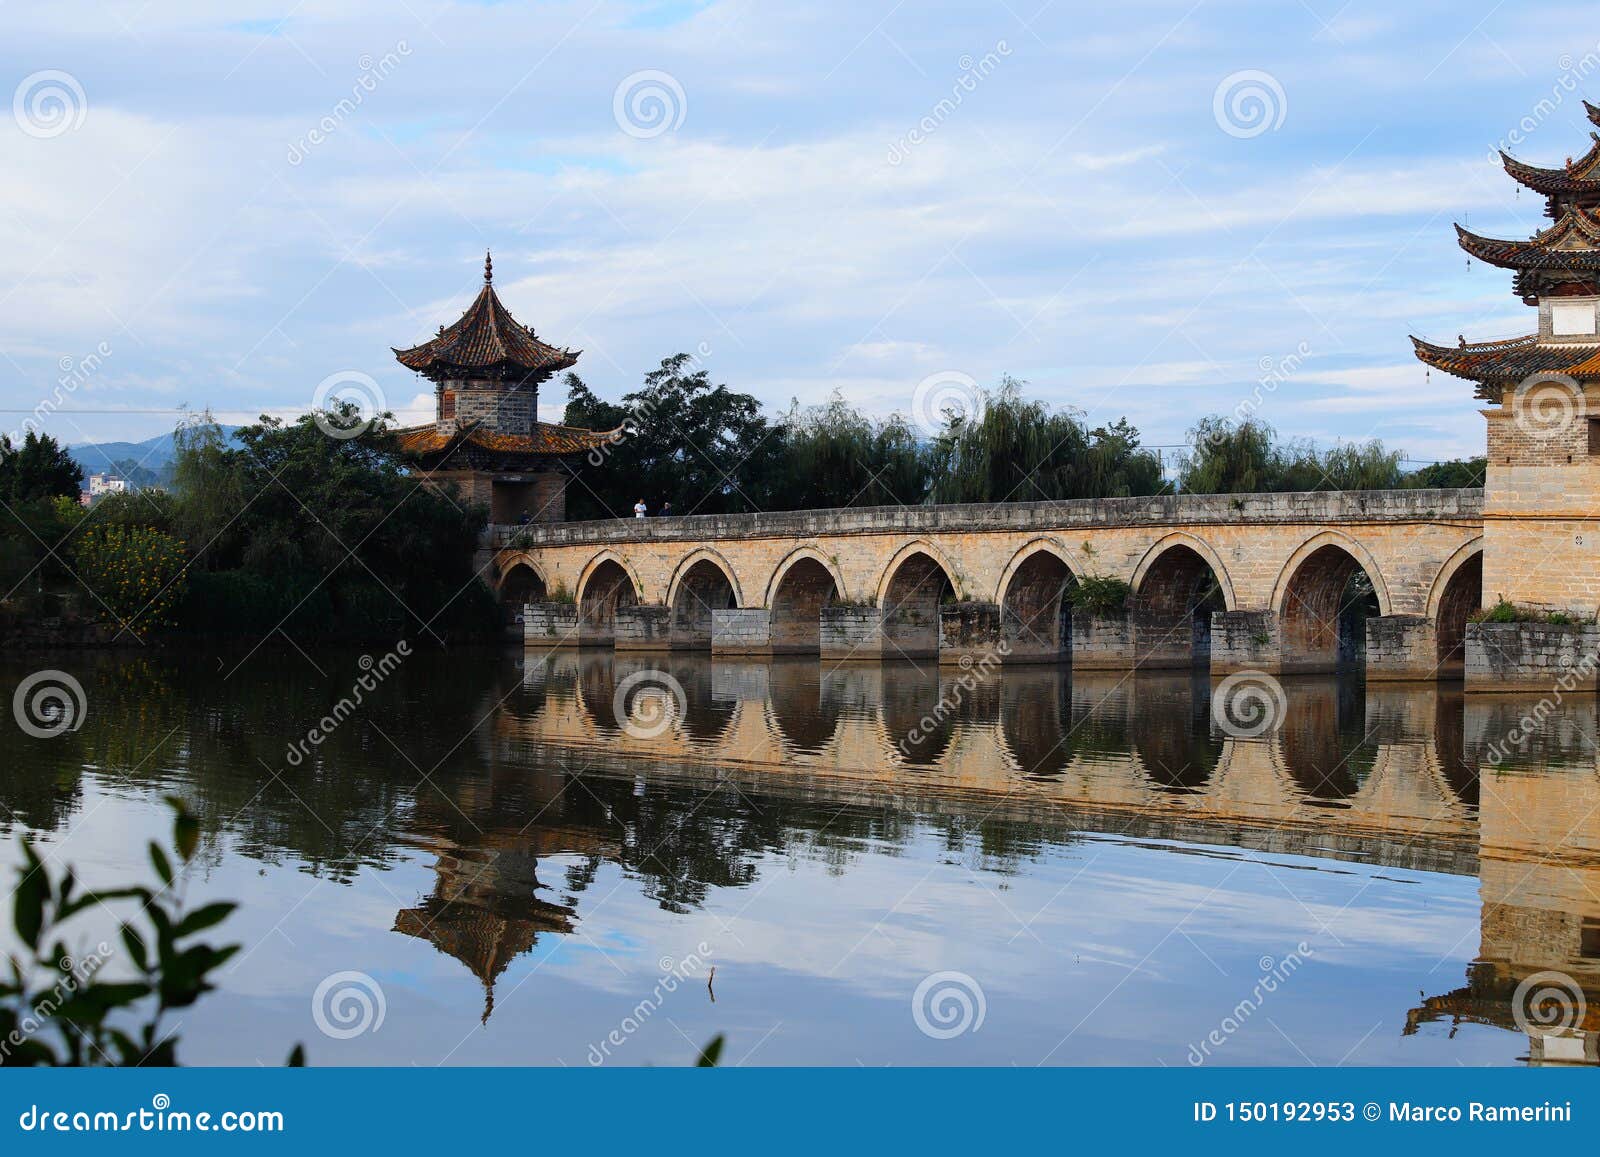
<point>1538,657</point>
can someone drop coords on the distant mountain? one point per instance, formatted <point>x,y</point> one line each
<point>154,455</point>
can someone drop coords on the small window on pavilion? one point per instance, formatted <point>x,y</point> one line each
<point>1572,318</point>
<point>1589,939</point>
<point>1594,437</point>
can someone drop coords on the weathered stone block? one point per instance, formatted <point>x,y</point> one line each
<point>1545,657</point>
<point>1104,644</point>
<point>643,628</point>
<point>1163,639</point>
<point>851,632</point>
<point>1245,641</point>
<point>550,625</point>
<point>741,632</point>
<point>1402,647</point>
<point>970,630</point>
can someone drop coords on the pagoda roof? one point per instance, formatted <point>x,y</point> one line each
<point>1579,176</point>
<point>545,439</point>
<point>1593,111</point>
<point>487,342</point>
<point>1511,360</point>
<point>1571,244</point>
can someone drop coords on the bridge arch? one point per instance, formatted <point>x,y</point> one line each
<point>605,586</point>
<point>712,557</point>
<point>1177,586</point>
<point>1457,592</point>
<point>1035,615</point>
<point>1208,554</point>
<point>520,582</point>
<point>806,551</point>
<point>1318,597</point>
<point>803,583</point>
<point>703,583</point>
<point>1358,553</point>
<point>510,564</point>
<point>917,581</point>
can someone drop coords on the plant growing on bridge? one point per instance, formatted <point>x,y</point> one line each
<point>1505,611</point>
<point>1099,596</point>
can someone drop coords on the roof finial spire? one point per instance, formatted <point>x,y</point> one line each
<point>488,267</point>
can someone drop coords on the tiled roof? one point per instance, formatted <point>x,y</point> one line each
<point>1571,244</point>
<point>1580,176</point>
<point>1511,360</point>
<point>545,439</point>
<point>486,342</point>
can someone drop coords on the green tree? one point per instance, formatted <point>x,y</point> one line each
<point>39,468</point>
<point>834,455</point>
<point>702,447</point>
<point>1229,458</point>
<point>1017,450</point>
<point>324,535</point>
<point>1244,457</point>
<point>1458,472</point>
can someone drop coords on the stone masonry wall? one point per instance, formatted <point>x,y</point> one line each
<point>550,624</point>
<point>741,631</point>
<point>1253,542</point>
<point>1531,656</point>
<point>1402,647</point>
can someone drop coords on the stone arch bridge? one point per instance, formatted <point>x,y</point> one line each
<point>1276,582</point>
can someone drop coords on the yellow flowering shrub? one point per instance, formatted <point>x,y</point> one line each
<point>137,574</point>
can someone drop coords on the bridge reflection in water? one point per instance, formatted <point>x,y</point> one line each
<point>1414,777</point>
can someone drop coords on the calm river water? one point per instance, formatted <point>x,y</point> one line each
<point>540,861</point>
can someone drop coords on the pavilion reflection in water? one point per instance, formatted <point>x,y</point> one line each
<point>1392,775</point>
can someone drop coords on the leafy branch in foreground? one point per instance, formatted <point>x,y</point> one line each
<point>55,1011</point>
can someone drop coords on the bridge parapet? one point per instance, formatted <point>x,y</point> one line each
<point>1323,506</point>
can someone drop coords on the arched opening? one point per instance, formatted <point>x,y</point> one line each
<point>1172,610</point>
<point>1172,732</point>
<point>796,610</point>
<point>1327,748</point>
<point>911,602</point>
<point>1036,720</point>
<point>607,591</point>
<point>1035,613</point>
<point>520,586</point>
<point>703,589</point>
<point>706,717</point>
<point>597,689</point>
<point>1462,595</point>
<point>1459,768</point>
<point>919,725</point>
<point>1325,611</point>
<point>806,716</point>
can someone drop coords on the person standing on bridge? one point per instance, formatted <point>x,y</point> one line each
<point>639,510</point>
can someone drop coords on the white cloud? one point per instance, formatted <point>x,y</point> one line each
<point>1087,227</point>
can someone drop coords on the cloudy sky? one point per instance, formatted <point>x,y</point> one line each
<point>1134,207</point>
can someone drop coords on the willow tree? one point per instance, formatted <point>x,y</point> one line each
<point>1229,458</point>
<point>1016,450</point>
<point>834,455</point>
<point>1244,457</point>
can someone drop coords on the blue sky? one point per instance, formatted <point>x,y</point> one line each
<point>809,216</point>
